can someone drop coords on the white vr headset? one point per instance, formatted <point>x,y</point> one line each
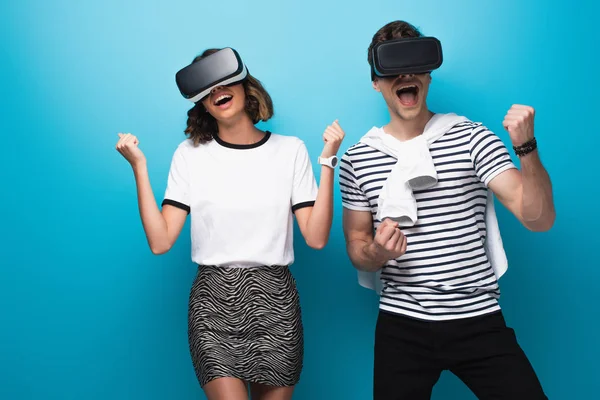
<point>223,68</point>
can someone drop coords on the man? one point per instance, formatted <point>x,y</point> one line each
<point>439,268</point>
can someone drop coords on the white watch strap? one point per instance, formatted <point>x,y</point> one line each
<point>327,161</point>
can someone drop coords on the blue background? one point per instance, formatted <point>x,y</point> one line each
<point>87,312</point>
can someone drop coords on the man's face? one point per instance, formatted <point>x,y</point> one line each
<point>405,95</point>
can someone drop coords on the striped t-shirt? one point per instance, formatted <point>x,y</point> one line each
<point>445,273</point>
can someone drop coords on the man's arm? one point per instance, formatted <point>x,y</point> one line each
<point>526,193</point>
<point>367,252</point>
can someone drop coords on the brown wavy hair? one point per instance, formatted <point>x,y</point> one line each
<point>391,30</point>
<point>202,127</point>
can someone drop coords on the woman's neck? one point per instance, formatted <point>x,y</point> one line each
<point>240,131</point>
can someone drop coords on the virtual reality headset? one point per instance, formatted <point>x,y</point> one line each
<point>222,68</point>
<point>406,56</point>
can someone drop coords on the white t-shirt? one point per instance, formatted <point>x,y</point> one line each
<point>241,198</point>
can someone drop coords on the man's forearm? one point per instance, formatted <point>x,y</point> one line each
<point>537,205</point>
<point>364,257</point>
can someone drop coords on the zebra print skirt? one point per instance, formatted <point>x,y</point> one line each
<point>246,323</point>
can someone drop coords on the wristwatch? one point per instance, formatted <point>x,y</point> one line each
<point>331,162</point>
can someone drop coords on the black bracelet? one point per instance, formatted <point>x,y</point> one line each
<point>525,148</point>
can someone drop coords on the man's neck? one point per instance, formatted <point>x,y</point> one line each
<point>239,131</point>
<point>403,129</point>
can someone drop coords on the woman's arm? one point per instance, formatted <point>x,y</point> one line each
<point>315,222</point>
<point>161,228</point>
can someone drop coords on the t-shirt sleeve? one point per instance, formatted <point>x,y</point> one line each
<point>353,197</point>
<point>177,193</point>
<point>489,154</point>
<point>304,190</point>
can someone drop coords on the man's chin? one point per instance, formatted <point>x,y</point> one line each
<point>408,114</point>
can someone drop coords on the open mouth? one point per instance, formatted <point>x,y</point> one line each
<point>222,100</point>
<point>408,95</point>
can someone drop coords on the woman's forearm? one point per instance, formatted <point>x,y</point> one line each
<point>155,225</point>
<point>321,216</point>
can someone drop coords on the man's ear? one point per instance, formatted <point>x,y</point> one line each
<point>376,85</point>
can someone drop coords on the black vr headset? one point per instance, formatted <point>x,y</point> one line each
<point>225,67</point>
<point>406,56</point>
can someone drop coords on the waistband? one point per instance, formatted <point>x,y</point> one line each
<point>249,265</point>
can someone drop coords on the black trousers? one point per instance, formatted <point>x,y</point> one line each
<point>483,352</point>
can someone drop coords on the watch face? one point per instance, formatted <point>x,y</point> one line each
<point>334,161</point>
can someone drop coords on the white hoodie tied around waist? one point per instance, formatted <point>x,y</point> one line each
<point>415,170</point>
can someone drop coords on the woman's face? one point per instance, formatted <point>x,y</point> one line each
<point>226,102</point>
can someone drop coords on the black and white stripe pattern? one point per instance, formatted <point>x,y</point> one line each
<point>445,273</point>
<point>246,323</point>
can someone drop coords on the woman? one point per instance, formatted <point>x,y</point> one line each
<point>242,187</point>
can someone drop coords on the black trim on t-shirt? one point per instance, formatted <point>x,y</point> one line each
<point>302,205</point>
<point>176,204</point>
<point>243,146</point>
